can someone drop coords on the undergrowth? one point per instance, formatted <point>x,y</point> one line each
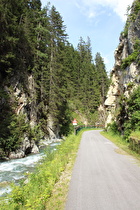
<point>135,134</point>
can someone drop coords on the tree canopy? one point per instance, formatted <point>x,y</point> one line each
<point>34,42</point>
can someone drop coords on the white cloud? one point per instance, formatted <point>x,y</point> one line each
<point>89,7</point>
<point>91,14</point>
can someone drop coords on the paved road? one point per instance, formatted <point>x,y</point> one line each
<point>103,179</point>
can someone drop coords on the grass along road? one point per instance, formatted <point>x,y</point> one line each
<point>58,199</point>
<point>103,178</point>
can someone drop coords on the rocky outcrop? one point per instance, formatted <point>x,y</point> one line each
<point>26,148</point>
<point>22,98</point>
<point>124,78</point>
<point>52,129</point>
<point>26,117</point>
<point>22,95</point>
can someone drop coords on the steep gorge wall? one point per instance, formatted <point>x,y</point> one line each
<point>125,76</point>
<point>20,101</point>
<point>24,117</point>
<point>21,115</point>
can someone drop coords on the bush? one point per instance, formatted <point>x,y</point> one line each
<point>128,118</point>
<point>127,61</point>
<point>113,127</point>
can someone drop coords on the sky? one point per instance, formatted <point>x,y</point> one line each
<point>100,20</point>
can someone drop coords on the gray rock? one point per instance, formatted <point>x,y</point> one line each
<point>122,78</point>
<point>35,149</point>
<point>17,154</point>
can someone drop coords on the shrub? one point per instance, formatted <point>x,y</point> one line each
<point>132,122</point>
<point>127,61</point>
<point>112,127</point>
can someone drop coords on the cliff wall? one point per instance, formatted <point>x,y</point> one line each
<point>125,76</point>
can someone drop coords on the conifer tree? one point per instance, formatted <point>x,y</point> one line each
<point>34,43</point>
<point>9,36</point>
<point>103,81</point>
<point>89,94</point>
<point>57,46</point>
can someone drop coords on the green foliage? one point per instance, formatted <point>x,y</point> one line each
<point>12,126</point>
<point>103,80</point>
<point>127,61</point>
<point>36,192</point>
<point>135,134</point>
<point>133,57</point>
<point>131,147</point>
<point>136,8</point>
<point>132,13</point>
<point>33,42</point>
<point>90,81</point>
<point>133,120</point>
<point>124,146</point>
<point>128,119</point>
<point>124,33</point>
<point>116,138</point>
<point>113,128</point>
<point>12,135</point>
<point>35,133</point>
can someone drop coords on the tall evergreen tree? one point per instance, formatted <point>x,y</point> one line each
<point>9,36</point>
<point>103,80</point>
<point>57,45</point>
<point>33,44</point>
<point>89,93</point>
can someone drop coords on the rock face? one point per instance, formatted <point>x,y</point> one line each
<point>24,98</point>
<point>52,129</point>
<point>26,148</point>
<point>124,78</point>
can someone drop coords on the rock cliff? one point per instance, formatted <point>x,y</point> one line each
<point>21,91</point>
<point>125,76</point>
<point>21,109</point>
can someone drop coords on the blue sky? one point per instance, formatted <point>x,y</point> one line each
<point>101,20</point>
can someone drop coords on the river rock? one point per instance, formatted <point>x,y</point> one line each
<point>17,154</point>
<point>27,147</point>
<point>35,149</point>
<point>4,183</point>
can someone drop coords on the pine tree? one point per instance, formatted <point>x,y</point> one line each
<point>57,46</point>
<point>88,89</point>
<point>9,36</point>
<point>103,81</point>
<point>34,44</point>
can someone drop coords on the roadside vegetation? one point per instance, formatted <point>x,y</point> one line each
<point>125,130</point>
<point>135,134</point>
<point>124,146</point>
<point>48,185</point>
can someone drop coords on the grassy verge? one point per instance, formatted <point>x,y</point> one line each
<point>135,134</point>
<point>47,187</point>
<point>120,142</point>
<point>58,198</point>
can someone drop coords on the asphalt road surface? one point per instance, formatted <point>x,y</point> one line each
<point>103,177</point>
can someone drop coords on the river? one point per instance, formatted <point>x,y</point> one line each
<point>15,170</point>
